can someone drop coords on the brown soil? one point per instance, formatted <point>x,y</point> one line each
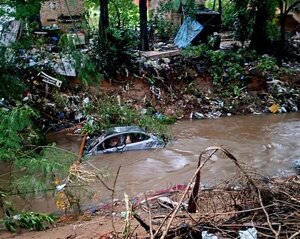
<point>85,227</point>
<point>175,98</point>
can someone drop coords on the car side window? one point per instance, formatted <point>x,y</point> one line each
<point>138,137</point>
<point>144,136</point>
<point>128,139</point>
<point>112,142</point>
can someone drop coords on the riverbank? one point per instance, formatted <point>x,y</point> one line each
<point>176,87</point>
<point>178,90</point>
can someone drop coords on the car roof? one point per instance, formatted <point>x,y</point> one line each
<point>124,129</point>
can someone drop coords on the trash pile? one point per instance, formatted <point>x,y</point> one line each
<point>293,46</point>
<point>185,86</point>
<point>179,86</point>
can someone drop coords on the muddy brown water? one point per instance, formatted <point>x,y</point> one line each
<point>269,143</point>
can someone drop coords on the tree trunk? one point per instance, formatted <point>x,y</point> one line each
<point>220,10</point>
<point>103,20</point>
<point>144,45</point>
<point>214,5</point>
<point>259,37</point>
<point>284,11</point>
<point>282,34</point>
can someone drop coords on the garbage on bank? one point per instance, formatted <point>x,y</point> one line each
<point>52,65</point>
<point>9,27</point>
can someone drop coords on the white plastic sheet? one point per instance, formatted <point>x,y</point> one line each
<point>250,233</point>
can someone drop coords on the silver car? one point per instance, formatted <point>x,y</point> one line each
<point>121,139</point>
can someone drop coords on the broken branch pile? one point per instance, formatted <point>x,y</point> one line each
<point>249,204</point>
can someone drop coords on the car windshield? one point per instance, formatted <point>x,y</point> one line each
<point>94,142</point>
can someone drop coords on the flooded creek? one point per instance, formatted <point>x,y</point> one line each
<point>268,143</point>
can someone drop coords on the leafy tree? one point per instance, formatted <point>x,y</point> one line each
<point>123,14</point>
<point>11,85</point>
<point>187,7</point>
<point>243,23</point>
<point>26,9</point>
<point>285,8</point>
<point>228,12</point>
<point>265,12</point>
<point>21,146</point>
<point>16,128</point>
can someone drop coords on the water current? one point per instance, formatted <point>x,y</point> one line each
<point>269,143</point>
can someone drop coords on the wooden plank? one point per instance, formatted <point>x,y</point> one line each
<point>160,54</point>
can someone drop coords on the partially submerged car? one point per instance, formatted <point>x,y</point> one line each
<point>119,139</point>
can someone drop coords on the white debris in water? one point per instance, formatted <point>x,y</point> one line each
<point>206,235</point>
<point>250,233</point>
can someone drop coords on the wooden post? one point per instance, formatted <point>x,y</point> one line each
<point>79,158</point>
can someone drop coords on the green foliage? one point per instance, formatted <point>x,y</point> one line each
<point>123,14</point>
<point>239,15</point>
<point>86,68</point>
<point>115,53</point>
<point>243,25</point>
<point>27,9</point>
<point>83,63</point>
<point>272,31</point>
<point>162,28</point>
<point>229,66</point>
<point>11,85</point>
<point>266,63</point>
<point>196,51</point>
<point>189,6</point>
<point>228,12</point>
<point>113,113</point>
<point>28,220</point>
<point>15,125</point>
<point>37,170</point>
<point>33,167</point>
<point>224,66</point>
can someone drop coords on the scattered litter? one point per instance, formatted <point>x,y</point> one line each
<point>274,108</point>
<point>60,187</point>
<point>250,233</point>
<point>156,91</point>
<point>65,67</point>
<point>206,235</point>
<point>296,165</point>
<point>50,80</point>
<point>166,202</point>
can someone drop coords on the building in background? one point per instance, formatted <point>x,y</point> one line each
<point>66,15</point>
